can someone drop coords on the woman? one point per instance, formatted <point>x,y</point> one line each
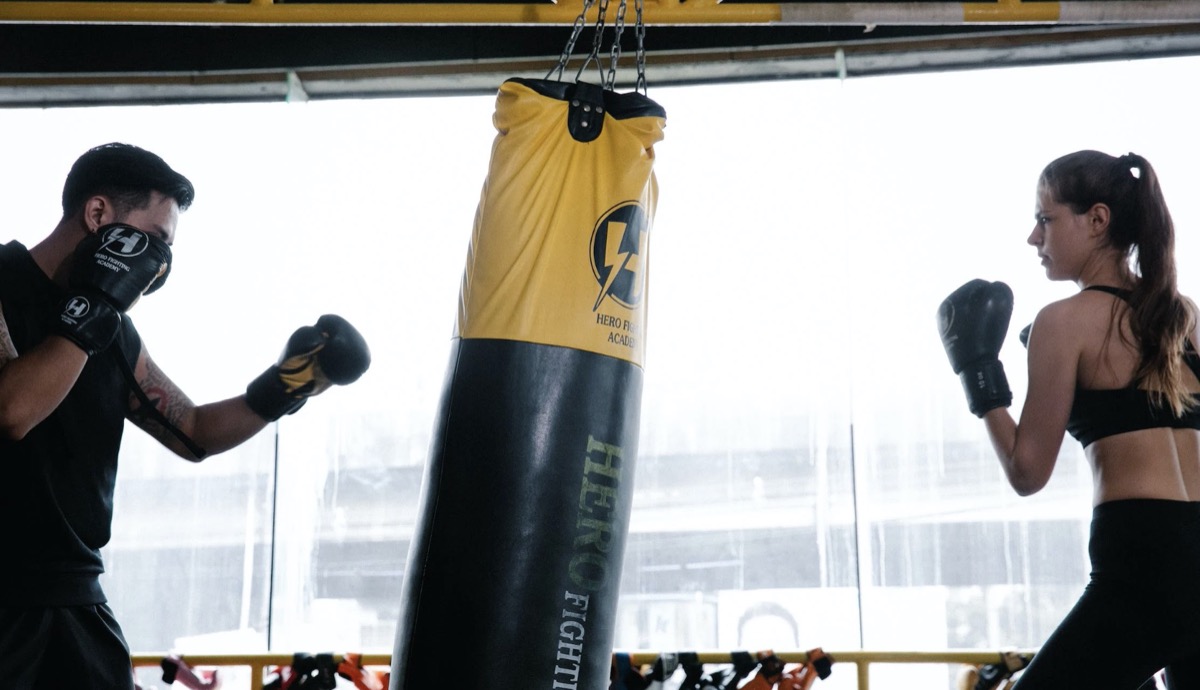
<point>1114,365</point>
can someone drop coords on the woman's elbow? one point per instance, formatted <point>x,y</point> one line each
<point>1026,489</point>
<point>1028,467</point>
<point>1027,483</point>
<point>15,423</point>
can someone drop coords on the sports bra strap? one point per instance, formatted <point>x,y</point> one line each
<point>1119,292</point>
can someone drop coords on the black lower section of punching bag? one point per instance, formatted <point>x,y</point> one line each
<point>513,576</point>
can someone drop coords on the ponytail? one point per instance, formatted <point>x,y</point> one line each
<point>1140,227</point>
<point>1161,319</point>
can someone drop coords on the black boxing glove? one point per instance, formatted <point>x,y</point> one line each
<point>120,263</point>
<point>88,321</point>
<point>316,357</point>
<point>111,269</point>
<point>973,321</point>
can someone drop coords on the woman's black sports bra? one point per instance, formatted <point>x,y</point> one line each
<point>1097,413</point>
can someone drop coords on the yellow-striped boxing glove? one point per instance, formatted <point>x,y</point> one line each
<point>315,358</point>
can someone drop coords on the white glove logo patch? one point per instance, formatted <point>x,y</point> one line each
<point>125,241</point>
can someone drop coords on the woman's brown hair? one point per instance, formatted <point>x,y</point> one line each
<point>1140,227</point>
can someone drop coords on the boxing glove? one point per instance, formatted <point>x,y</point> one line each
<point>769,672</point>
<point>111,269</point>
<point>315,358</point>
<point>120,263</point>
<point>89,322</point>
<point>973,321</point>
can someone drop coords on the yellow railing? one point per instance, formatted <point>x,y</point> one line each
<point>860,659</point>
<point>258,663</point>
<point>659,12</point>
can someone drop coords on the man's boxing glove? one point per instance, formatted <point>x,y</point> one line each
<point>121,263</point>
<point>973,321</point>
<point>316,357</point>
<point>111,269</point>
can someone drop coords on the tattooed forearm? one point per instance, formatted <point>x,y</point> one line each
<point>166,398</point>
<point>8,351</point>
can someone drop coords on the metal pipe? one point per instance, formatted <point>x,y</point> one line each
<point>863,657</point>
<point>258,663</point>
<point>263,659</point>
<point>657,12</point>
<point>639,657</point>
<point>860,658</point>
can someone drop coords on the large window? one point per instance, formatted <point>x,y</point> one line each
<point>808,473</point>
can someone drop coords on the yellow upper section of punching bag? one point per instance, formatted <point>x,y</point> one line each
<point>559,251</point>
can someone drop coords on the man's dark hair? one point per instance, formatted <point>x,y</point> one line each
<point>127,175</point>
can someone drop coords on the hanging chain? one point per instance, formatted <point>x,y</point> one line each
<point>641,50</point>
<point>596,41</point>
<point>570,47</point>
<point>618,29</point>
<point>606,81</point>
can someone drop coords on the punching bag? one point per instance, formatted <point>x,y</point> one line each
<point>515,567</point>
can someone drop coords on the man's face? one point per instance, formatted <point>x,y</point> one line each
<point>159,218</point>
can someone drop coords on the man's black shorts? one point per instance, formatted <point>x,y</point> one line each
<point>76,647</point>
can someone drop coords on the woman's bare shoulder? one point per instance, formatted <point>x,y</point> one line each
<point>1076,318</point>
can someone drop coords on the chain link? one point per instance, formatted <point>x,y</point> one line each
<point>606,81</point>
<point>597,40</point>
<point>618,29</point>
<point>570,46</point>
<point>641,50</point>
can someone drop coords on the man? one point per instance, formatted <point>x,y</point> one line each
<point>72,369</point>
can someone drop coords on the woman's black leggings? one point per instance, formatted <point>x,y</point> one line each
<point>1141,610</point>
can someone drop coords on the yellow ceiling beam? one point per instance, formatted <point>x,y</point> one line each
<point>423,14</point>
<point>657,12</point>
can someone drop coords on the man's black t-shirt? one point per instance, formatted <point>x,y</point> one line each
<point>56,484</point>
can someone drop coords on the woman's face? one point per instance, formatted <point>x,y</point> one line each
<point>1060,236</point>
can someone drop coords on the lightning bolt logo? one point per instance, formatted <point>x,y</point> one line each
<point>618,248</point>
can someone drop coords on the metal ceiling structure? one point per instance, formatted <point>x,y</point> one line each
<point>75,53</point>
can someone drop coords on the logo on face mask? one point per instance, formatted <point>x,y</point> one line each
<point>125,241</point>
